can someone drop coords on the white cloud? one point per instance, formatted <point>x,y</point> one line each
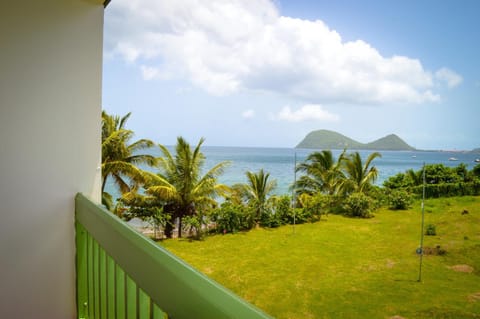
<point>149,73</point>
<point>305,113</point>
<point>224,46</point>
<point>248,114</point>
<point>451,78</point>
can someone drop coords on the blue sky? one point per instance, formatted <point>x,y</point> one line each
<point>265,73</point>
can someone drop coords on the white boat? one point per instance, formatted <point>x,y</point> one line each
<point>453,159</point>
<point>477,160</point>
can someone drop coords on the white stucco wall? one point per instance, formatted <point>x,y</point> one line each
<point>50,106</point>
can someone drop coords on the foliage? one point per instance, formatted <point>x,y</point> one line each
<point>440,180</point>
<point>358,205</point>
<point>476,171</point>
<point>313,207</point>
<point>231,218</point>
<point>192,225</point>
<point>449,189</point>
<point>399,199</point>
<point>400,180</point>
<point>180,185</point>
<point>256,192</point>
<point>144,207</point>
<point>431,230</point>
<point>321,174</point>
<point>360,176</point>
<point>121,157</point>
<point>282,209</point>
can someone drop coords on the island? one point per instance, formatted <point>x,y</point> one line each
<point>326,139</point>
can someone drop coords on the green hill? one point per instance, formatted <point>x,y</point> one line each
<point>389,143</point>
<point>325,139</point>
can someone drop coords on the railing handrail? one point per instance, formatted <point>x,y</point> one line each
<point>176,287</point>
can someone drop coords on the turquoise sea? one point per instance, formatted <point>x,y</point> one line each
<point>280,162</point>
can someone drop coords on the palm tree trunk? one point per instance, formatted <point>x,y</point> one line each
<point>168,229</point>
<point>179,226</point>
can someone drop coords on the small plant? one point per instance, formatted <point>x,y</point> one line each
<point>358,205</point>
<point>399,199</point>
<point>431,230</point>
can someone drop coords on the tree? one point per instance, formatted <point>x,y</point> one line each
<point>120,158</point>
<point>180,185</point>
<point>256,191</point>
<point>360,176</point>
<point>322,173</point>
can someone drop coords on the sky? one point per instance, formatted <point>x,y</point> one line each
<point>264,73</point>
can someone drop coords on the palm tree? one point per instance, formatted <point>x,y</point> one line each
<point>120,157</point>
<point>322,173</point>
<point>256,191</point>
<point>360,176</point>
<point>180,184</point>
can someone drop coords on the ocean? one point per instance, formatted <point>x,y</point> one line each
<point>280,163</point>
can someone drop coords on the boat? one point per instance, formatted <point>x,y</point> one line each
<point>477,160</point>
<point>453,159</point>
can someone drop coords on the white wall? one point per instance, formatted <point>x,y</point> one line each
<point>50,105</point>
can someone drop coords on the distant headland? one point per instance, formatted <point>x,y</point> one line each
<point>325,139</point>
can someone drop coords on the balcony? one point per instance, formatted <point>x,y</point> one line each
<point>122,274</point>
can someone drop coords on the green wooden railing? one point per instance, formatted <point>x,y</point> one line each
<point>122,274</point>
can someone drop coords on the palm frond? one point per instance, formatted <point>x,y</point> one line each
<point>166,193</point>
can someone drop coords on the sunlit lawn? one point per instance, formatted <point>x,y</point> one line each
<point>352,268</point>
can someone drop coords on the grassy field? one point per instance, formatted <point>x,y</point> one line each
<point>353,268</point>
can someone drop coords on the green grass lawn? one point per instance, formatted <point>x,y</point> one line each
<point>352,268</point>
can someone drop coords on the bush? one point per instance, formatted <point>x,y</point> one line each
<point>282,210</point>
<point>431,230</point>
<point>449,189</point>
<point>193,226</point>
<point>399,199</point>
<point>270,219</point>
<point>231,218</point>
<point>315,206</point>
<point>380,194</point>
<point>358,205</point>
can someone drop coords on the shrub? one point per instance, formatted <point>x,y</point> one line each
<point>282,210</point>
<point>399,199</point>
<point>231,218</point>
<point>380,194</point>
<point>449,189</point>
<point>270,219</point>
<point>431,230</point>
<point>193,226</point>
<point>315,206</point>
<point>358,205</point>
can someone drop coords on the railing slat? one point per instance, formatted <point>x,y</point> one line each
<point>131,300</point>
<point>158,313</point>
<point>90,279</point>
<point>173,285</point>
<point>120,293</point>
<point>144,305</point>
<point>111,287</point>
<point>102,263</point>
<point>96,281</point>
